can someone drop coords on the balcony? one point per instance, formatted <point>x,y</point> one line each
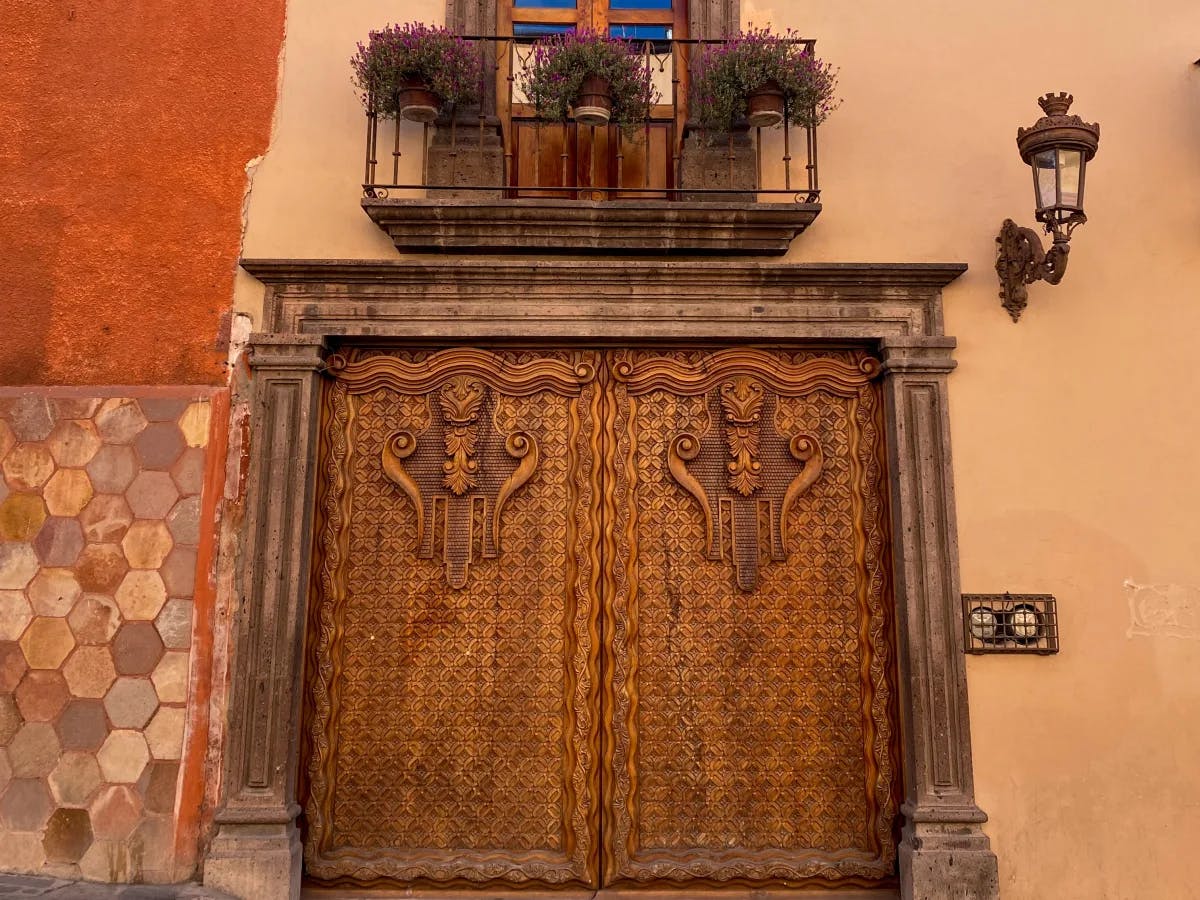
<point>496,179</point>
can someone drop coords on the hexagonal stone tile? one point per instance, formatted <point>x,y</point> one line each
<point>54,592</point>
<point>112,468</point>
<point>7,438</point>
<point>171,677</point>
<point>123,757</point>
<point>188,472</point>
<point>107,861</point>
<point>26,805</point>
<point>41,695</point>
<point>22,851</point>
<point>31,418</point>
<point>67,492</point>
<point>10,719</point>
<point>12,665</point>
<point>15,614</point>
<point>18,562</point>
<point>158,784</point>
<point>130,702</point>
<point>184,522</point>
<point>83,725</point>
<point>47,642</point>
<point>162,409</point>
<point>137,648</point>
<point>27,467</point>
<point>151,495</point>
<point>73,443</point>
<point>75,778</point>
<point>59,542</point>
<point>194,423</point>
<point>106,518</point>
<point>34,750</point>
<point>165,733</point>
<point>90,671</point>
<point>159,446</point>
<point>74,407</point>
<point>141,594</point>
<point>100,568</point>
<point>179,572</point>
<point>116,813</point>
<point>68,835</point>
<point>5,770</point>
<point>119,420</point>
<point>146,544</point>
<point>21,517</point>
<point>174,624</point>
<point>94,619</point>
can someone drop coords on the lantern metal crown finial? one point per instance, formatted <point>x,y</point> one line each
<point>1058,147</point>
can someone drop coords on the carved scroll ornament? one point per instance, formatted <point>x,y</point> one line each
<point>744,474</point>
<point>461,471</point>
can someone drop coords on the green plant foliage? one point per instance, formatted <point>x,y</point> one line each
<point>559,64</point>
<point>726,73</point>
<point>414,52</point>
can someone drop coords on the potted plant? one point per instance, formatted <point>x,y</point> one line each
<point>411,71</point>
<point>595,78</point>
<point>754,76</point>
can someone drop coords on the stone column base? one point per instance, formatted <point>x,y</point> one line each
<point>947,861</point>
<point>255,861</point>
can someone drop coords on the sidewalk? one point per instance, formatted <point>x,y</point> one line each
<point>60,889</point>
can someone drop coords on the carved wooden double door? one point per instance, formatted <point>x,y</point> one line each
<point>591,618</point>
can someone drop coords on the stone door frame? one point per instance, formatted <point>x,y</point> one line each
<point>894,309</point>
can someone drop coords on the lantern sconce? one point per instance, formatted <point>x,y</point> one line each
<point>1058,147</point>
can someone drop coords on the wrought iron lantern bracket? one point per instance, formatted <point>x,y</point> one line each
<point>1058,147</point>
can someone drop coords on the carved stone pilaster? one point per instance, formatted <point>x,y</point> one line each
<point>943,851</point>
<point>256,850</point>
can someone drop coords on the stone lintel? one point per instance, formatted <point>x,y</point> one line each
<point>474,299</point>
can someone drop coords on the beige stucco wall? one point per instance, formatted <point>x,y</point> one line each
<point>1075,431</point>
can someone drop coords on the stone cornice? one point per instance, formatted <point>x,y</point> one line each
<point>473,299</point>
<point>279,272</point>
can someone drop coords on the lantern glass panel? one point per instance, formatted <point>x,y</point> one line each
<point>1045,178</point>
<point>1070,167</point>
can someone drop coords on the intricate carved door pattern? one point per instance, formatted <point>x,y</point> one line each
<point>589,618</point>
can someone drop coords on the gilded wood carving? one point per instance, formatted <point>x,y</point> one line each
<point>618,506</point>
<point>748,733</point>
<point>451,732</point>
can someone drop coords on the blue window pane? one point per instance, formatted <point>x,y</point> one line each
<point>545,4</point>
<point>537,30</point>
<point>639,4</point>
<point>640,32</point>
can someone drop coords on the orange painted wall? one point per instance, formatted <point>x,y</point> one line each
<point>125,128</point>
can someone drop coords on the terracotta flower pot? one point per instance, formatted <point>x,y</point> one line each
<point>594,106</point>
<point>417,103</point>
<point>765,106</point>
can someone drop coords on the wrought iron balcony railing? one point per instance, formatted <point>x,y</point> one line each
<point>500,149</point>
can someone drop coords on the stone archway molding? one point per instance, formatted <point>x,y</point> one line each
<point>896,309</point>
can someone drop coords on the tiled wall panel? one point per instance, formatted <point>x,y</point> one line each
<point>99,530</point>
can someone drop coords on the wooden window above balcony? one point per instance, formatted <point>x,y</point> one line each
<point>501,180</point>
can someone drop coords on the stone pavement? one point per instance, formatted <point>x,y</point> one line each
<point>60,889</point>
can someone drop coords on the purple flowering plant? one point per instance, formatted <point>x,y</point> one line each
<point>726,73</point>
<point>559,63</point>
<point>414,52</point>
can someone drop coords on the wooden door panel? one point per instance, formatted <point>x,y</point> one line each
<point>750,731</point>
<point>452,671</point>
<point>708,529</point>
